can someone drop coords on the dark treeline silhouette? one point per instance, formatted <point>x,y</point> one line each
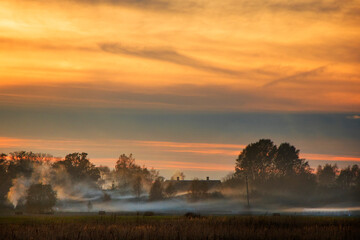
<point>27,176</point>
<point>278,174</point>
<point>37,182</point>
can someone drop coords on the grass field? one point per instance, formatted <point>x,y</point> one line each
<point>178,227</point>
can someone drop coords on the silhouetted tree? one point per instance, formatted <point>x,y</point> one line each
<point>125,162</point>
<point>327,175</point>
<point>126,170</point>
<point>40,198</point>
<point>21,163</point>
<point>156,191</point>
<point>79,167</point>
<point>231,180</point>
<point>287,161</point>
<point>255,161</point>
<point>348,177</point>
<point>131,175</point>
<point>345,178</point>
<point>271,169</point>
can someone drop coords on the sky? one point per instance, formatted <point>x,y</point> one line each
<point>182,84</point>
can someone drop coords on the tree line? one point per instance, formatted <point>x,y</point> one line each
<point>269,170</point>
<point>272,170</point>
<point>41,170</point>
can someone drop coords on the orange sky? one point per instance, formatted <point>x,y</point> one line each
<point>92,58</point>
<point>301,55</point>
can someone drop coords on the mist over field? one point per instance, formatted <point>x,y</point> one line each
<point>267,179</point>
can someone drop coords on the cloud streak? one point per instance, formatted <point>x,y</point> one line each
<point>297,77</point>
<point>165,55</point>
<point>325,6</point>
<point>177,97</point>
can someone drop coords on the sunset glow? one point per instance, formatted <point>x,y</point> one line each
<point>176,81</point>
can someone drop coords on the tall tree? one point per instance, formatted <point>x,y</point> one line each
<point>79,167</point>
<point>255,161</point>
<point>125,170</point>
<point>287,161</point>
<point>348,177</point>
<point>127,173</point>
<point>327,175</point>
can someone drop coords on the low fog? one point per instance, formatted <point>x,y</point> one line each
<point>267,180</point>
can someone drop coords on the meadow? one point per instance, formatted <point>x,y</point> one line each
<point>177,227</point>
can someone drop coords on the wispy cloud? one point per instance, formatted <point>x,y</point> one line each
<point>308,6</point>
<point>297,77</point>
<point>166,55</point>
<point>171,6</point>
<point>177,97</point>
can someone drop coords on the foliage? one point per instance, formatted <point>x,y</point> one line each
<point>256,161</point>
<point>286,161</point>
<point>40,198</point>
<point>269,167</point>
<point>18,164</point>
<point>129,174</point>
<point>79,167</point>
<point>156,191</point>
<point>327,175</point>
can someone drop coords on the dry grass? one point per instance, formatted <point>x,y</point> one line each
<point>167,227</point>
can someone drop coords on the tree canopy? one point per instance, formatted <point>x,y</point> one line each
<point>40,198</point>
<point>79,167</point>
<point>263,160</point>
